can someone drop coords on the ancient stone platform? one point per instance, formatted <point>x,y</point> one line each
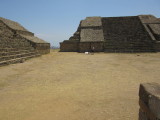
<point>115,34</point>
<point>18,44</point>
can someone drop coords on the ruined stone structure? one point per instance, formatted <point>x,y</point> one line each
<point>115,34</point>
<point>149,101</point>
<point>18,44</point>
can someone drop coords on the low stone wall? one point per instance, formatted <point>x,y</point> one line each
<point>42,48</point>
<point>149,101</point>
<point>69,46</point>
<point>87,46</point>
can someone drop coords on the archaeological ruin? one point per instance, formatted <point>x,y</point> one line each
<point>149,101</point>
<point>18,44</point>
<point>115,34</point>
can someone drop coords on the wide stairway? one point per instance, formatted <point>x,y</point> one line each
<point>126,35</point>
<point>15,50</point>
<point>13,55</point>
<point>128,46</point>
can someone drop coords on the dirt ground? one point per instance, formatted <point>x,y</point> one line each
<point>75,86</point>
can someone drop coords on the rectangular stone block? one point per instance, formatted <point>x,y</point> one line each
<point>149,95</point>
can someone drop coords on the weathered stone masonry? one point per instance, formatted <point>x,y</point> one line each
<point>115,34</point>
<point>18,44</point>
<point>149,101</point>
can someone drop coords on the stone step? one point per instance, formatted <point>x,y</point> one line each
<point>14,44</point>
<point>128,47</point>
<point>14,52</point>
<point>17,60</point>
<point>128,50</point>
<point>129,43</point>
<point>14,41</point>
<point>14,49</point>
<point>8,57</point>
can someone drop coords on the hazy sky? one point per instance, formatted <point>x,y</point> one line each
<point>56,20</point>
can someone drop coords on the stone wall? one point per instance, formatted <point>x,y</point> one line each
<point>13,47</point>
<point>42,48</point>
<point>91,35</point>
<point>118,34</point>
<point>17,44</point>
<point>84,47</point>
<point>149,101</point>
<point>88,47</point>
<point>70,46</point>
<point>91,30</point>
<point>13,35</point>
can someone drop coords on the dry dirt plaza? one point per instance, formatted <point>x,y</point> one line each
<point>75,86</point>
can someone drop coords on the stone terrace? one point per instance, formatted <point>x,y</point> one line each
<point>18,44</point>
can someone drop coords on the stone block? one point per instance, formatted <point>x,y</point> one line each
<point>149,95</point>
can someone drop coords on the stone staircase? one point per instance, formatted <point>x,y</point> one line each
<point>14,48</point>
<point>130,46</point>
<point>13,55</point>
<point>126,34</point>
